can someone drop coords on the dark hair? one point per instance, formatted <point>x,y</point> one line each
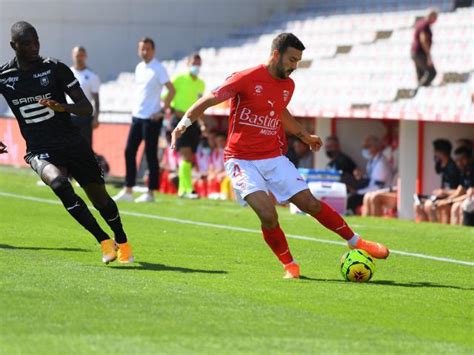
<point>286,40</point>
<point>194,56</point>
<point>464,151</point>
<point>443,146</point>
<point>149,41</point>
<point>221,134</point>
<point>19,28</point>
<point>465,142</point>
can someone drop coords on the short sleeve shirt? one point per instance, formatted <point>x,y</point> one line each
<point>257,103</point>
<point>90,82</point>
<point>149,79</point>
<point>188,91</point>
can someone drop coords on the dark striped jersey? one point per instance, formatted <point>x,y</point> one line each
<point>41,127</point>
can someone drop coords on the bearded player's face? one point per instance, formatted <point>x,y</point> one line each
<point>26,45</point>
<point>288,62</point>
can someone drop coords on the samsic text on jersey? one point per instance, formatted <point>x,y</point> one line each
<point>41,127</point>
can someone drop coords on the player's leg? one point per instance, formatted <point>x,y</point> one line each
<point>383,200</point>
<point>430,211</point>
<point>444,213</point>
<point>250,187</point>
<point>273,235</point>
<point>56,178</point>
<point>85,168</point>
<point>185,182</point>
<point>367,204</point>
<point>456,213</point>
<point>133,142</point>
<point>420,214</point>
<point>187,146</point>
<point>333,221</point>
<point>151,133</point>
<point>108,209</point>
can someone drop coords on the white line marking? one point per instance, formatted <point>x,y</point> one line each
<point>240,229</point>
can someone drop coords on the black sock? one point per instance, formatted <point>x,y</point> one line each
<point>77,208</point>
<point>111,215</point>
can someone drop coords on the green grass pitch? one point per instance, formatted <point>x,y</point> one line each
<point>202,288</point>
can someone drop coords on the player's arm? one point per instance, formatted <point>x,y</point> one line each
<point>3,148</point>
<point>80,107</point>
<point>68,83</point>
<point>193,114</point>
<point>295,128</point>
<point>95,119</point>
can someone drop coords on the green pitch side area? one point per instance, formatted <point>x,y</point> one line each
<point>214,287</point>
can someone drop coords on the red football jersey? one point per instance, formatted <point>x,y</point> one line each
<point>255,126</point>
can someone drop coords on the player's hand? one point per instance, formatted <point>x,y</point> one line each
<point>176,134</point>
<point>53,105</point>
<point>315,143</point>
<point>3,148</point>
<point>157,116</point>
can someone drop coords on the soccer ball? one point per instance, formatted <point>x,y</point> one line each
<point>357,266</point>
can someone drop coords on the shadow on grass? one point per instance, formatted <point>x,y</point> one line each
<point>142,265</point>
<point>396,284</point>
<point>7,246</point>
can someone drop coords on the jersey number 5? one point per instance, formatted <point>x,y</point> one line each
<point>35,113</point>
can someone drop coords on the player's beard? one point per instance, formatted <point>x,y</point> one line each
<point>281,72</point>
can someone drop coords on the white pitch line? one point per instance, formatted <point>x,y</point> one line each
<point>240,229</point>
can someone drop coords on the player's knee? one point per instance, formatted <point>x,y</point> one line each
<point>60,184</point>
<point>269,219</point>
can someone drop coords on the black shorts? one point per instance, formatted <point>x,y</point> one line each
<point>77,158</point>
<point>190,138</point>
<point>84,124</point>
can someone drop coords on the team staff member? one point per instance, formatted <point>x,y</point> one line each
<point>35,88</point>
<point>189,88</point>
<point>147,119</point>
<point>90,84</point>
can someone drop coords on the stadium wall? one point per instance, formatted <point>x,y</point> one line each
<point>110,29</point>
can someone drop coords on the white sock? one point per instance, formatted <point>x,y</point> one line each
<point>353,241</point>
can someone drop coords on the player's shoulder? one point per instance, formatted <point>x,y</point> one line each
<point>253,71</point>
<point>8,67</point>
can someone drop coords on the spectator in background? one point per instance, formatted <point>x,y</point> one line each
<point>169,168</point>
<point>304,156</point>
<point>450,209</point>
<point>338,160</point>
<point>217,178</point>
<point>465,142</point>
<point>189,88</point>
<point>378,202</point>
<point>203,162</point>
<point>444,165</point>
<point>90,84</point>
<point>421,49</point>
<point>147,119</point>
<point>378,173</point>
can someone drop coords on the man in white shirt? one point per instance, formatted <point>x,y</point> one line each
<point>147,119</point>
<point>90,84</point>
<point>378,172</point>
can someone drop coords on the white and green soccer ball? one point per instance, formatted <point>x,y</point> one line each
<point>357,266</point>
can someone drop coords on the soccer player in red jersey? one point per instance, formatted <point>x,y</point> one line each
<point>254,154</point>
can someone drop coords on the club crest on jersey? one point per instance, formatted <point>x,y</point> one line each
<point>258,89</point>
<point>286,93</point>
<point>44,81</point>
